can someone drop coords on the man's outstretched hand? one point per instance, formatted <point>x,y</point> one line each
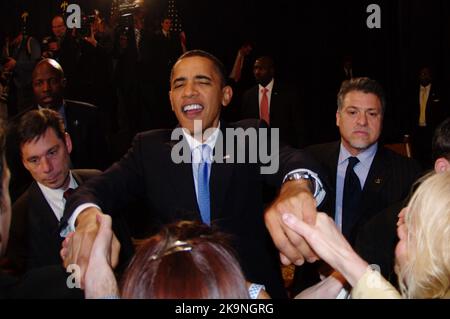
<point>295,197</point>
<point>76,248</point>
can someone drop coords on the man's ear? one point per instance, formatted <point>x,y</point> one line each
<point>338,118</point>
<point>68,142</point>
<point>227,95</point>
<point>441,165</point>
<point>64,82</point>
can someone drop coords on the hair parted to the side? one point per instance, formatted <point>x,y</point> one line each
<point>427,273</point>
<point>202,268</point>
<point>34,124</point>
<point>362,84</point>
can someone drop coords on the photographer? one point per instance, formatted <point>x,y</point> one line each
<point>19,56</point>
<point>63,47</point>
<point>95,67</point>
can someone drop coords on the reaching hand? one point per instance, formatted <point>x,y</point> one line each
<point>100,281</point>
<point>294,198</point>
<point>77,247</point>
<point>329,243</point>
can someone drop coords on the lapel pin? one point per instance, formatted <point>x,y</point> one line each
<point>378,181</point>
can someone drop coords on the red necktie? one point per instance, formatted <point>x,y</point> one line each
<point>68,193</point>
<point>264,107</point>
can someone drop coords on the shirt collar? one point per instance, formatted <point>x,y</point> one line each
<point>269,86</point>
<point>211,141</point>
<point>365,157</point>
<point>59,192</point>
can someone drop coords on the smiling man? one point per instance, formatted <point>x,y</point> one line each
<point>225,194</point>
<point>367,176</point>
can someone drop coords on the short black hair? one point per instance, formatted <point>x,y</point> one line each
<point>441,141</point>
<point>362,84</point>
<point>33,124</point>
<point>216,62</point>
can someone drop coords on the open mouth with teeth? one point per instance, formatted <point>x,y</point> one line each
<point>192,110</point>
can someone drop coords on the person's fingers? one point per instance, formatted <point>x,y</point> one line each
<point>281,241</point>
<point>304,251</point>
<point>284,260</point>
<point>401,216</point>
<point>297,225</point>
<point>62,253</point>
<point>114,252</point>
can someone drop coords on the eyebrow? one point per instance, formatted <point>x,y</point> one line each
<point>55,147</point>
<point>197,77</point>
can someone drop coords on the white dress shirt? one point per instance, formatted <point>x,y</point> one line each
<point>55,197</point>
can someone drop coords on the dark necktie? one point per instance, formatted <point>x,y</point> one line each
<point>68,193</point>
<point>351,198</point>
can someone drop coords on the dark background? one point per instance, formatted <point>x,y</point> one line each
<point>307,39</point>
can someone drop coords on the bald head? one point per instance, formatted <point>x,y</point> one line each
<point>50,64</point>
<point>58,26</point>
<point>48,84</point>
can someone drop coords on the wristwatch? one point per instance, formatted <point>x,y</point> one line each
<point>313,183</point>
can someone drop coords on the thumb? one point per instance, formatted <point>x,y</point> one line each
<point>104,235</point>
<point>297,225</point>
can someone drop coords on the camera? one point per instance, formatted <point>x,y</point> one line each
<point>125,10</point>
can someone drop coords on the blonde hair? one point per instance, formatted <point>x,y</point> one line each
<point>427,273</point>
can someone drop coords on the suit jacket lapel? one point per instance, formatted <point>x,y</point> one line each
<point>274,102</point>
<point>254,111</point>
<point>181,179</point>
<point>331,162</point>
<point>221,172</point>
<point>44,213</point>
<point>376,179</point>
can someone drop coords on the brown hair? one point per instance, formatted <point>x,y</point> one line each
<point>34,124</point>
<point>185,260</point>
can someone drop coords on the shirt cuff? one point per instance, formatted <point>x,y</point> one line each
<point>71,222</point>
<point>319,190</point>
<point>254,290</point>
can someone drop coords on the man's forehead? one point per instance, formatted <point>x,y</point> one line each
<point>45,71</point>
<point>194,65</point>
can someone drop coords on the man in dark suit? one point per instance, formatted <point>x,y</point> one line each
<point>381,177</point>
<point>46,282</point>
<point>276,103</point>
<point>186,174</point>
<point>81,120</point>
<point>426,111</point>
<point>45,148</point>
